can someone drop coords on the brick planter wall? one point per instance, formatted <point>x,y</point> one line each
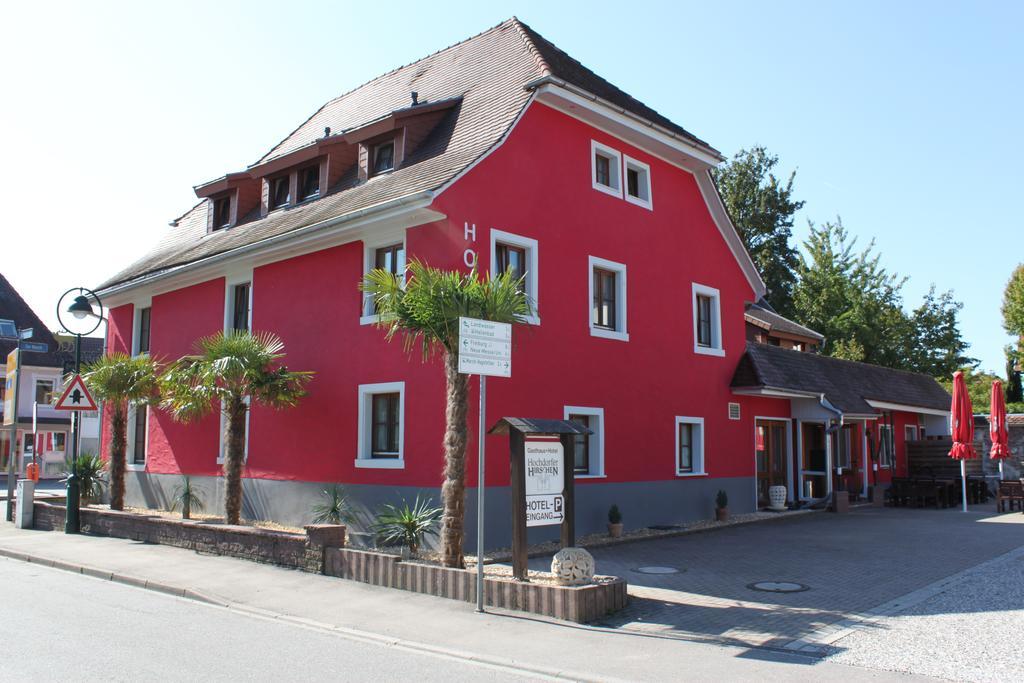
<point>298,551</point>
<point>573,603</point>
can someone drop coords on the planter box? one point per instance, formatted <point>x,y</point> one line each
<point>298,551</point>
<point>573,603</point>
<point>840,501</point>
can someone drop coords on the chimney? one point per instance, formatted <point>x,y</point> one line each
<point>415,98</point>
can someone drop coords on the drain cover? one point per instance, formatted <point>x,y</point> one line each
<point>778,586</point>
<point>656,570</point>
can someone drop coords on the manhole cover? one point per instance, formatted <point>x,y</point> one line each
<point>778,586</point>
<point>656,570</point>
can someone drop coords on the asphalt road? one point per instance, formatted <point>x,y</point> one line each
<point>55,625</point>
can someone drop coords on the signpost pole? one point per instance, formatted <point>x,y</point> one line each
<point>480,488</point>
<point>72,523</point>
<point>13,449</point>
<point>517,448</point>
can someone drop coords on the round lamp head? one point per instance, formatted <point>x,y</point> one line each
<point>81,307</point>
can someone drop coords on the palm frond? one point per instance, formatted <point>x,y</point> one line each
<point>120,378</point>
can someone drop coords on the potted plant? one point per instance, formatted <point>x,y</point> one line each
<point>614,521</point>
<point>722,506</point>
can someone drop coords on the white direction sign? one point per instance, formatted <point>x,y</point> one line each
<point>544,482</point>
<point>485,348</point>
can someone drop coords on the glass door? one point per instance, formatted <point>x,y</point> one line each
<point>813,461</point>
<point>770,450</point>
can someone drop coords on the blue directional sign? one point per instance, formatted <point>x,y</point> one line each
<point>35,347</point>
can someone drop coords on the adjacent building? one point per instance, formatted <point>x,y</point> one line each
<point>501,152</point>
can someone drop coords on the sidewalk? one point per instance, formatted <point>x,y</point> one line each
<point>408,620</point>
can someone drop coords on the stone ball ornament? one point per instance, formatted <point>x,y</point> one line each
<point>573,567</point>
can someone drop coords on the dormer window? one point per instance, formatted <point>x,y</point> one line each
<point>280,192</point>
<point>309,182</point>
<point>383,157</point>
<point>221,212</point>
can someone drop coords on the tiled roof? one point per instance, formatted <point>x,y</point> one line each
<point>777,323</point>
<point>13,307</point>
<point>488,71</point>
<point>846,384</point>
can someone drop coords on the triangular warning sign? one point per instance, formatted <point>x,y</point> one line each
<point>76,396</point>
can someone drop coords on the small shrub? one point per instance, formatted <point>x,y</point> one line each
<point>407,526</point>
<point>335,509</point>
<point>614,516</point>
<point>186,498</point>
<point>722,500</point>
<point>91,475</point>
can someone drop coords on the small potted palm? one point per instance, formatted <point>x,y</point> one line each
<point>614,521</point>
<point>722,506</point>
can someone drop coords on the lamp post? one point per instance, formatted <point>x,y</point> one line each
<point>82,316</point>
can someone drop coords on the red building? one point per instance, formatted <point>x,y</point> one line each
<point>500,151</point>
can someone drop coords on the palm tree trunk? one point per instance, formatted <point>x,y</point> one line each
<point>234,457</point>
<point>118,441</point>
<point>453,491</point>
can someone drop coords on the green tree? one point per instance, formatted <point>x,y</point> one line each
<point>851,299</point>
<point>762,208</point>
<point>227,372</point>
<point>979,387</point>
<point>1014,390</point>
<point>1013,305</point>
<point>425,311</point>
<point>118,381</point>
<point>937,347</point>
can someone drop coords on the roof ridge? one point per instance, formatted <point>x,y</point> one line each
<point>524,32</point>
<point>348,92</point>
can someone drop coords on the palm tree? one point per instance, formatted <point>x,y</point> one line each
<point>118,381</point>
<point>228,371</point>
<point>426,311</point>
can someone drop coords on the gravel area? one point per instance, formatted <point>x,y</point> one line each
<point>969,632</point>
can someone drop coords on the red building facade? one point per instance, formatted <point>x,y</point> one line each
<point>504,156</point>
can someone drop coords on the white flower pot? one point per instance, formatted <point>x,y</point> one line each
<point>777,497</point>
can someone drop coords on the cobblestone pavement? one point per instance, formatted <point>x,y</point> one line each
<point>967,631</point>
<point>856,566</point>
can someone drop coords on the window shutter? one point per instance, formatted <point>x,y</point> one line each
<point>734,411</point>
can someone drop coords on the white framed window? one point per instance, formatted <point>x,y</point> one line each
<point>44,391</point>
<point>238,301</point>
<point>607,317</point>
<point>138,437</point>
<point>638,182</point>
<point>389,255</point>
<point>520,255</point>
<point>707,321</point>
<point>142,324</point>
<point>886,446</point>
<point>605,169</point>
<point>588,451</point>
<point>381,442</point>
<point>689,446</point>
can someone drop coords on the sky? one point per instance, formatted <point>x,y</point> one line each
<point>902,118</point>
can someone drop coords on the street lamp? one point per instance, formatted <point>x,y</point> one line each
<point>82,317</point>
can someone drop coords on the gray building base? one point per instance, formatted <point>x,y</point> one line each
<point>642,504</point>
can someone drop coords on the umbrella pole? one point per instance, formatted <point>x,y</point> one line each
<point>963,483</point>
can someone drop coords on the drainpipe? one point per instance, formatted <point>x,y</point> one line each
<point>828,442</point>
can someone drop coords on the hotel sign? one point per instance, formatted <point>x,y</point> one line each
<point>544,482</point>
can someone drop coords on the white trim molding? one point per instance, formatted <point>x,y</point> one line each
<point>129,450</point>
<point>596,440</point>
<point>621,331</point>
<point>716,348</point>
<point>902,407</point>
<point>697,456</point>
<point>614,169</point>
<point>363,457</point>
<point>137,306</point>
<point>529,245</point>
<point>645,198</point>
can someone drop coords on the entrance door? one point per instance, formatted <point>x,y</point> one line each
<point>846,452</point>
<point>770,449</point>
<point>814,474</point>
